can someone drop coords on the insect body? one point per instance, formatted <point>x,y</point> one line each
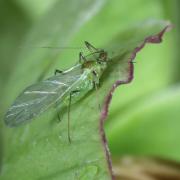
<point>63,88</point>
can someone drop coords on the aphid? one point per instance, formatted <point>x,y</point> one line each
<point>64,88</point>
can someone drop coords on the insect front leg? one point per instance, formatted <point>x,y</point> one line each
<point>96,84</point>
<point>91,47</point>
<point>82,59</point>
<point>58,71</point>
<point>95,79</point>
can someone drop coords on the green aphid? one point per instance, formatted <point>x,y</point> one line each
<point>65,87</point>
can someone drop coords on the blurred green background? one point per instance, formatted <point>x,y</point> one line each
<point>144,116</point>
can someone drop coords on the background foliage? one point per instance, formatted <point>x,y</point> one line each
<point>144,115</point>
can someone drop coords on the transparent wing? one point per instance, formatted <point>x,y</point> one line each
<point>39,97</point>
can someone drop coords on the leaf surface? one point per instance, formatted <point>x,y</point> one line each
<point>42,146</point>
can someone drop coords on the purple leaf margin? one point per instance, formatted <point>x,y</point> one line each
<point>157,38</point>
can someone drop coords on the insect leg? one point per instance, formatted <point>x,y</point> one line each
<point>132,62</point>
<point>81,58</point>
<point>58,114</point>
<point>59,117</point>
<point>69,110</point>
<point>96,88</point>
<point>96,83</point>
<point>58,71</point>
<point>90,47</point>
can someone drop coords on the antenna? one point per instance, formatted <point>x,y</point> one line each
<point>51,47</point>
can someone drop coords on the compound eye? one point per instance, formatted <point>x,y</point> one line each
<point>103,56</point>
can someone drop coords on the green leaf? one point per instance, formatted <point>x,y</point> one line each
<point>42,146</point>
